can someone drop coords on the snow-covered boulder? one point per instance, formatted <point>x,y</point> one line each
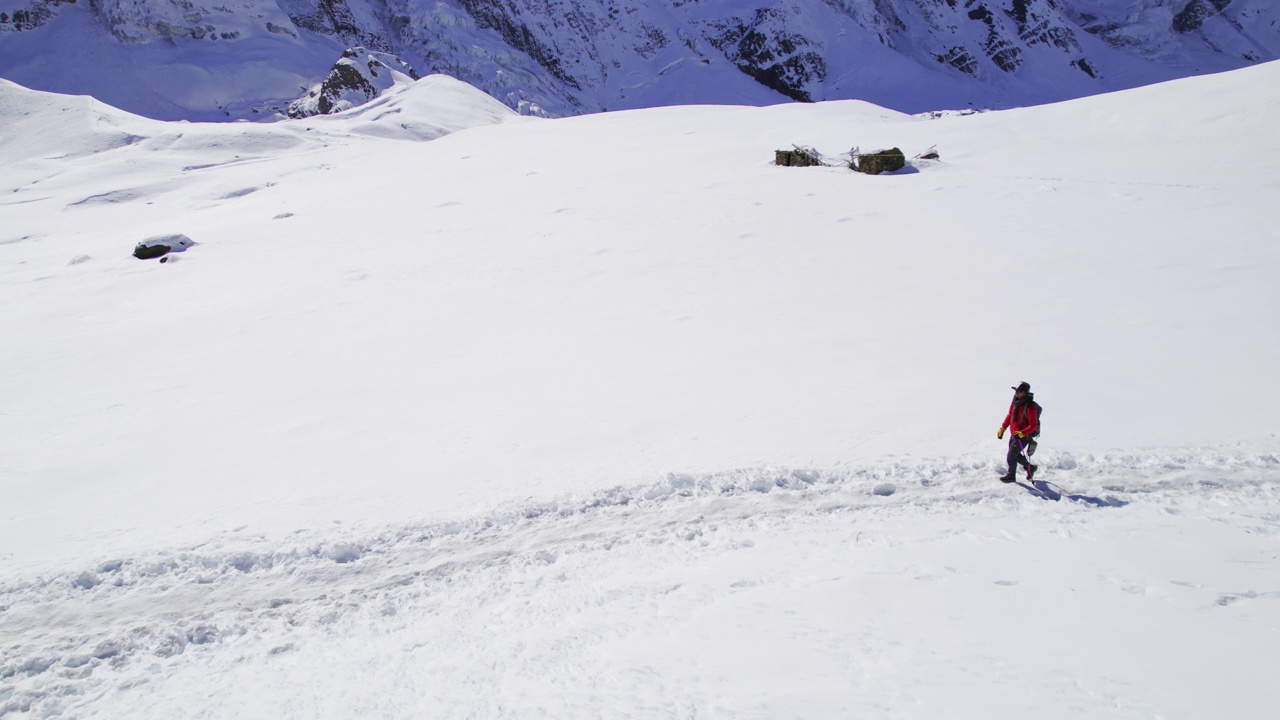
<point>159,245</point>
<point>357,77</point>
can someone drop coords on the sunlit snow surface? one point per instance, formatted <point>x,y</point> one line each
<point>453,413</point>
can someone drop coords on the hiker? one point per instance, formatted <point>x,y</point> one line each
<point>1024,420</point>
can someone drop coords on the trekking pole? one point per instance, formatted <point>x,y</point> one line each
<point>1023,448</point>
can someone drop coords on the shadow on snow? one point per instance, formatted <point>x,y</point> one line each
<point>1055,492</point>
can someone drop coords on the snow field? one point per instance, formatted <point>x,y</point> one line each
<point>449,428</point>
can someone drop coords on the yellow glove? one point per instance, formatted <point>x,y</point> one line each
<point>1000,434</point>
<point>1019,435</point>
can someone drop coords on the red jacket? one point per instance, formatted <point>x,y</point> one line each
<point>1023,419</point>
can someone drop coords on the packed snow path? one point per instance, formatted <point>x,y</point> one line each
<point>926,589</point>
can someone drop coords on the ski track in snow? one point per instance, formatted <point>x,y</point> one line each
<point>72,638</point>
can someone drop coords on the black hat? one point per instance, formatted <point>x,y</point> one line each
<point>1023,386</point>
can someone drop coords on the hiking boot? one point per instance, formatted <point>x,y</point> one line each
<point>1031,471</point>
<point>1008,477</point>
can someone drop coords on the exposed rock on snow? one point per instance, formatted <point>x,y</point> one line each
<point>357,77</point>
<point>158,245</point>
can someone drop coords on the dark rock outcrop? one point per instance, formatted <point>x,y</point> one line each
<point>1003,52</point>
<point>31,17</point>
<point>359,76</point>
<point>334,17</point>
<point>763,48</point>
<point>496,15</point>
<point>159,245</point>
<point>1196,12</point>
<point>961,59</point>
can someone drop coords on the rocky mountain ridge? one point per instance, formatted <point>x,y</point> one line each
<point>251,58</point>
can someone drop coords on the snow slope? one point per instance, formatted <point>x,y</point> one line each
<point>457,413</point>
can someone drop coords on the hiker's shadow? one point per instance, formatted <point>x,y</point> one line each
<point>1055,493</point>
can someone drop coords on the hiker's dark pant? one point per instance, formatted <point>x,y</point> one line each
<point>1016,457</point>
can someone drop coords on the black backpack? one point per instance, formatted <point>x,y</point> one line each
<point>1039,414</point>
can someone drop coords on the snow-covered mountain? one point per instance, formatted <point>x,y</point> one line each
<point>250,58</point>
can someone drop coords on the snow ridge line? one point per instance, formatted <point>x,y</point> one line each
<point>69,633</point>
